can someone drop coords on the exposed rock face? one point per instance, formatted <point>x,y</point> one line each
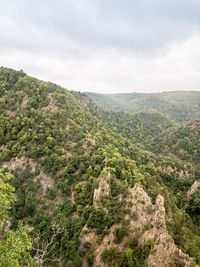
<point>164,250</point>
<point>149,224</point>
<point>139,201</point>
<point>103,190</point>
<point>52,107</point>
<point>23,163</point>
<point>45,180</point>
<point>183,173</point>
<point>24,102</point>
<point>89,141</point>
<point>194,188</point>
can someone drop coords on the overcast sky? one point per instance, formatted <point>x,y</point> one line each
<point>104,46</point>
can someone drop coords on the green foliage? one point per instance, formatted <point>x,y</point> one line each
<point>193,207</point>
<point>83,193</point>
<point>120,233</point>
<point>90,258</point>
<point>14,244</point>
<point>99,220</point>
<point>111,256</point>
<point>180,106</point>
<point>182,141</point>
<point>118,187</point>
<point>138,127</point>
<point>62,148</point>
<point>14,249</point>
<point>185,233</point>
<point>7,196</point>
<point>136,255</point>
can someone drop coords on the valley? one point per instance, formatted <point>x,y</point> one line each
<point>97,180</point>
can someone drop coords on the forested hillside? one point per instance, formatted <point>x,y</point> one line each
<point>138,127</point>
<point>180,106</point>
<point>91,196</point>
<point>182,141</point>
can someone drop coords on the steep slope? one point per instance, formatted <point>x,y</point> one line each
<point>182,141</point>
<point>180,106</point>
<point>85,190</point>
<point>138,127</point>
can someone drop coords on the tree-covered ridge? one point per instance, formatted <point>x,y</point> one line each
<point>180,106</point>
<point>138,127</point>
<point>182,141</point>
<point>62,156</point>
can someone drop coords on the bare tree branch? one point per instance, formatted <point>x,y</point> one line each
<point>43,247</point>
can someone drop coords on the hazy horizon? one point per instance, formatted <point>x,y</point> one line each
<point>104,46</point>
<point>157,92</point>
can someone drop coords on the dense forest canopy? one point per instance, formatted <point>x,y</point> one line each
<point>180,106</point>
<point>182,141</point>
<point>85,193</point>
<point>139,127</point>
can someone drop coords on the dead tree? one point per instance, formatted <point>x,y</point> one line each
<point>43,248</point>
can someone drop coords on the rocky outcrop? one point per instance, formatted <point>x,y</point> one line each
<point>194,188</point>
<point>139,202</point>
<point>147,222</point>
<point>45,180</point>
<point>52,107</point>
<point>103,190</point>
<point>164,251</point>
<point>24,102</point>
<point>21,164</point>
<point>89,142</point>
<point>25,163</point>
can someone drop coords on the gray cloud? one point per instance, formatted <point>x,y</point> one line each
<point>102,45</point>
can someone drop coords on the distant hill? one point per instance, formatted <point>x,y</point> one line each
<point>139,127</point>
<point>182,141</point>
<point>180,106</point>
